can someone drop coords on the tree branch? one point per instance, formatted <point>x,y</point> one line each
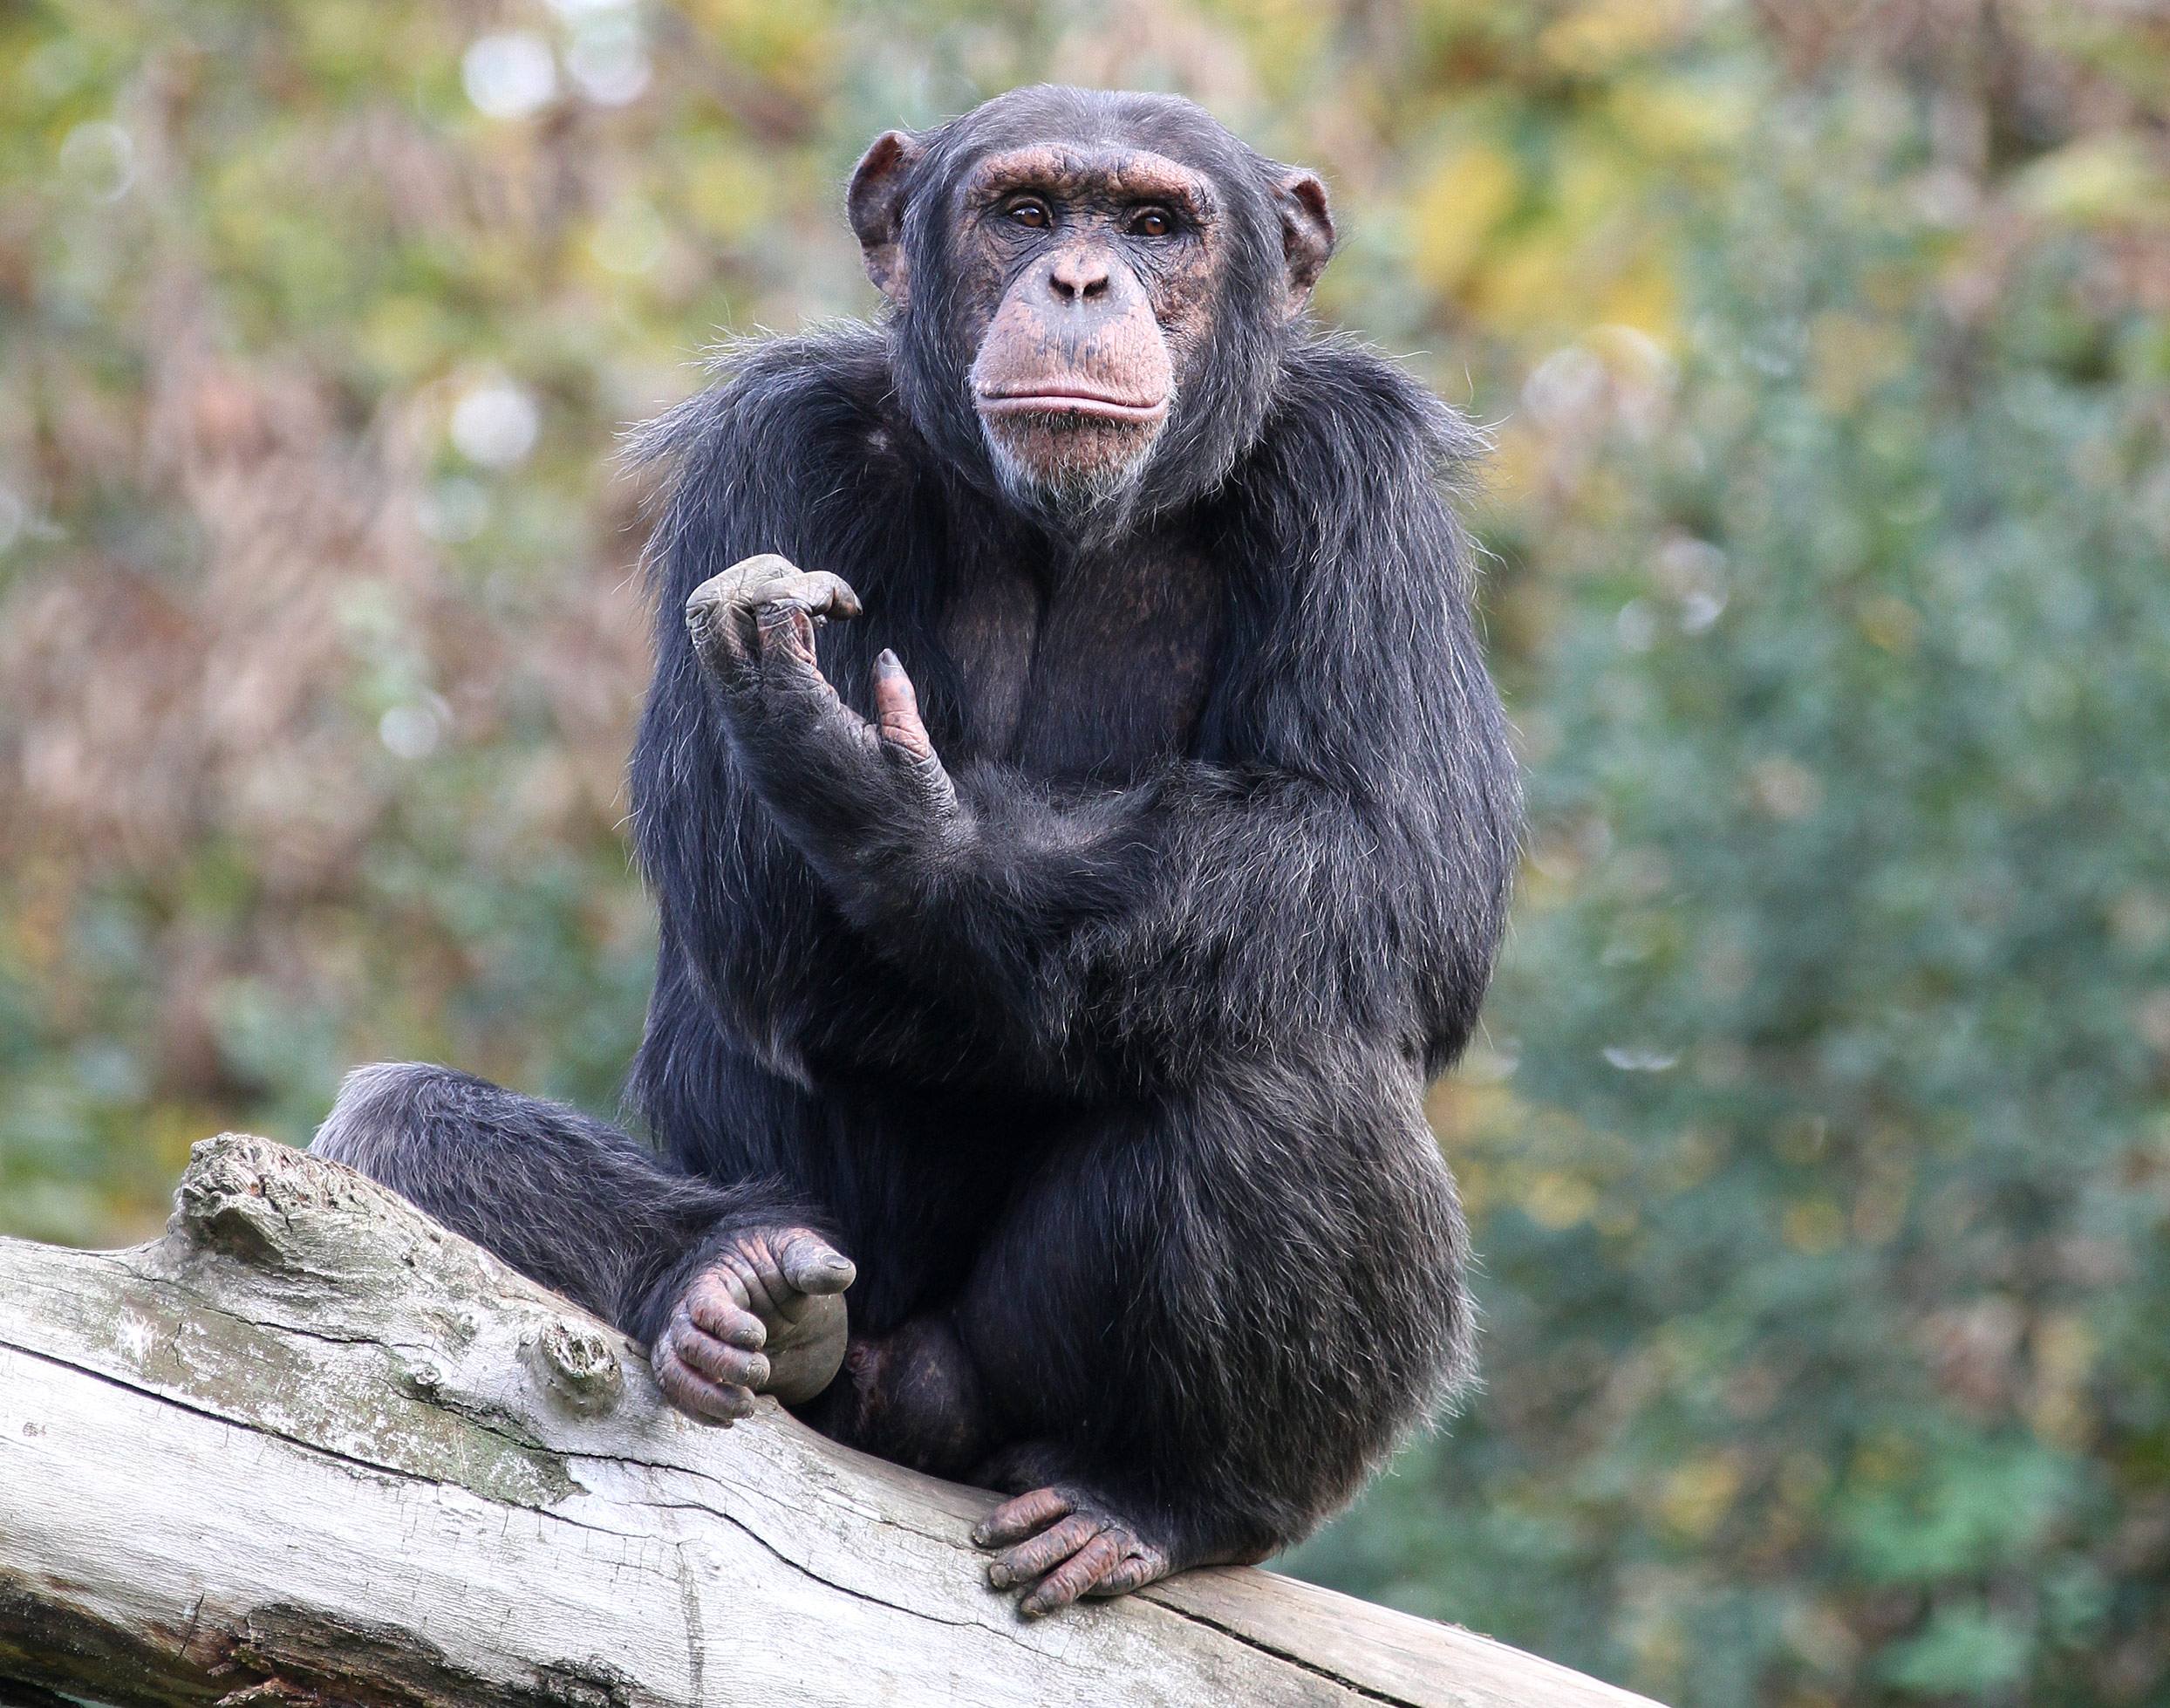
<point>310,1448</point>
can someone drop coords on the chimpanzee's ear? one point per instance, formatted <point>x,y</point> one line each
<point>1307,235</point>
<point>876,202</point>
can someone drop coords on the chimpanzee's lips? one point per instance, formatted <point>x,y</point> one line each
<point>1098,405</point>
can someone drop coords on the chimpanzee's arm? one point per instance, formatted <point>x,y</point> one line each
<point>1131,941</point>
<point>1339,866</point>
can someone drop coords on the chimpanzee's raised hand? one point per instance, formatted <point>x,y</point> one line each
<point>837,779</point>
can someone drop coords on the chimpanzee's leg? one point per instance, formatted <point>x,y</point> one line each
<point>731,1286</point>
<point>1197,1330</point>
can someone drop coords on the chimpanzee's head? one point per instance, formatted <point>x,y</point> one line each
<point>1092,291</point>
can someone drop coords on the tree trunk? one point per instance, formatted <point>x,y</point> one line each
<point>311,1448</point>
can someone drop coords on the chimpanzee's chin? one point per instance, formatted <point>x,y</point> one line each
<point>1067,468</point>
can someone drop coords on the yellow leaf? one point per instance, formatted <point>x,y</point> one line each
<point>1593,38</point>
<point>1684,115</point>
<point>1697,1496</point>
<point>2105,180</point>
<point>1850,357</point>
<point>1457,208</point>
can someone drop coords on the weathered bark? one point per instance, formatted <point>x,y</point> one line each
<point>309,1447</point>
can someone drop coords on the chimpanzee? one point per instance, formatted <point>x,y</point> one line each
<point>1038,1037</point>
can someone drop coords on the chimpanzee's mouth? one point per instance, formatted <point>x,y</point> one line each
<point>1098,406</point>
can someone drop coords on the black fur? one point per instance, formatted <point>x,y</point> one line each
<point>1116,1084</point>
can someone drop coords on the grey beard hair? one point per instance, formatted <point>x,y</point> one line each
<point>1077,500</point>
<point>1073,498</point>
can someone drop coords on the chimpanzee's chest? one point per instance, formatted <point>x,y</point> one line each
<point>1093,674</point>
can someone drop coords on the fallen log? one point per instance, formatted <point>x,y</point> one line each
<point>311,1448</point>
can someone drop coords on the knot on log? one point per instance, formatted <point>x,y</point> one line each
<point>579,1366</point>
<point>256,1198</point>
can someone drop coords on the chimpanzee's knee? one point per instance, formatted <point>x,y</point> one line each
<point>392,1121</point>
<point>536,1182</point>
<point>560,1196</point>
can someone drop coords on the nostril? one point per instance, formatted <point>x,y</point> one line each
<point>1073,278</point>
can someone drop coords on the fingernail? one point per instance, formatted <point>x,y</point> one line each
<point>888,661</point>
<point>980,1535</point>
<point>999,1576</point>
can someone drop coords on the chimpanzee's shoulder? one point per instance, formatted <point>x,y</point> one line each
<point>792,399</point>
<point>1347,421</point>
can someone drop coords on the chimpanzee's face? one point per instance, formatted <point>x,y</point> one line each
<point>1091,275</point>
<point>1083,278</point>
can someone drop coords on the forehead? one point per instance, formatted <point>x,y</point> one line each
<point>1091,168</point>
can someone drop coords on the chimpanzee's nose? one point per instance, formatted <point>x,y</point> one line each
<point>1078,276</point>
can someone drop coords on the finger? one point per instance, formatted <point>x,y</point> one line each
<point>714,609</point>
<point>897,709</point>
<point>746,582</point>
<point>767,576</point>
<point>1043,1552</point>
<point>1074,1576</point>
<point>786,629</point>
<point>825,595</point>
<point>694,1393</point>
<point>751,1271</point>
<point>733,1366</point>
<point>718,1304</point>
<point>812,1265</point>
<point>710,621</point>
<point>770,580</point>
<point>1013,1521</point>
<point>720,613</point>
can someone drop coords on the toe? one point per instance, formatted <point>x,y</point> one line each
<point>718,1361</point>
<point>1043,1552</point>
<point>1135,1570</point>
<point>718,1304</point>
<point>1075,1576</point>
<point>1015,1519</point>
<point>694,1393</point>
<point>810,1264</point>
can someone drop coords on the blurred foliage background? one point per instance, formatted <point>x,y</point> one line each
<point>1819,1147</point>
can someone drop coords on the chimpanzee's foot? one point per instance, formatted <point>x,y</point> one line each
<point>1067,1543</point>
<point>766,1316</point>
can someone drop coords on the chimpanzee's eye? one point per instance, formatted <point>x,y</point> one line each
<point>1033,214</point>
<point>1151,222</point>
